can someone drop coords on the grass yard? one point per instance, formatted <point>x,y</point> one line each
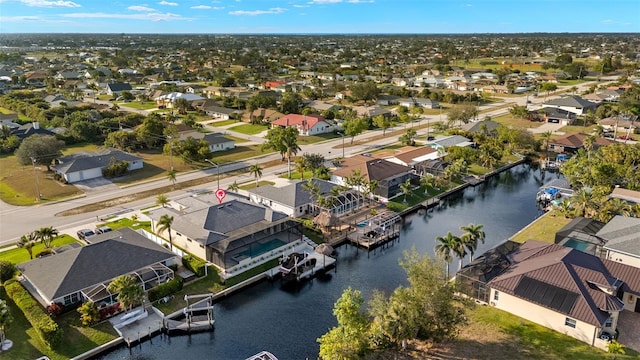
<point>139,105</point>
<point>18,255</point>
<point>126,222</point>
<point>6,111</point>
<point>224,122</point>
<point>509,120</point>
<point>18,183</point>
<point>543,229</point>
<point>313,139</point>
<point>238,140</point>
<point>239,153</point>
<point>308,174</point>
<point>249,129</point>
<point>252,184</point>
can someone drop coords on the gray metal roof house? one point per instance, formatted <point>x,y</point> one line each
<point>84,165</point>
<point>622,236</point>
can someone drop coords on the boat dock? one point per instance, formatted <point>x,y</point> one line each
<point>194,317</point>
<point>138,324</point>
<point>377,230</point>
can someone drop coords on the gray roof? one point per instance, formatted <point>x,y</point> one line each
<point>235,215</point>
<point>118,253</point>
<point>474,127</point>
<point>571,101</point>
<point>119,87</point>
<point>448,141</point>
<point>292,195</point>
<point>85,161</point>
<point>216,138</point>
<point>622,234</point>
<point>220,110</point>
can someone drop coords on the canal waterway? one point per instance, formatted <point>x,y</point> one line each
<point>288,322</point>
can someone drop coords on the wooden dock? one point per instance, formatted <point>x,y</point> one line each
<point>376,231</point>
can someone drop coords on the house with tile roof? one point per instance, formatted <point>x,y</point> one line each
<point>572,103</point>
<point>226,234</point>
<point>296,200</point>
<point>622,236</point>
<point>85,165</point>
<point>571,143</point>
<point>306,125</point>
<point>388,175</point>
<point>569,291</point>
<point>83,273</point>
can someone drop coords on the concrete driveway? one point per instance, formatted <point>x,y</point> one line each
<point>96,185</point>
<point>553,127</point>
<point>629,327</point>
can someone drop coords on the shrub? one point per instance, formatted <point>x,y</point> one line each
<point>45,252</point>
<point>54,309</point>
<point>7,270</point>
<point>193,264</point>
<point>89,313</point>
<point>46,328</point>
<point>168,288</point>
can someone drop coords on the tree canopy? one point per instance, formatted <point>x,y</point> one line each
<point>41,148</point>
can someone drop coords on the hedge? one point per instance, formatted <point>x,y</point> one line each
<point>47,329</point>
<point>193,264</point>
<point>168,288</point>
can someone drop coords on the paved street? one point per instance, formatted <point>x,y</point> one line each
<point>16,220</point>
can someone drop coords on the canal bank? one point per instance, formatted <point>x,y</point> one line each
<point>288,321</point>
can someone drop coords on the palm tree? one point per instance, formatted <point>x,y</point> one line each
<point>171,175</point>
<point>256,171</point>
<point>290,143</point>
<point>427,181</point>
<point>27,242</point>
<point>582,202</point>
<point>445,248</point>
<point>233,187</point>
<point>129,290</point>
<point>546,138</point>
<point>405,187</point>
<point>472,234</point>
<point>164,223</point>
<point>300,167</point>
<point>162,199</point>
<point>46,235</point>
<point>613,207</point>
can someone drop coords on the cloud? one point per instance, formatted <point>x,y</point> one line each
<point>141,16</point>
<point>140,8</point>
<point>218,8</point>
<point>258,12</point>
<point>167,3</point>
<point>50,3</point>
<point>324,1</point>
<point>203,7</point>
<point>6,19</point>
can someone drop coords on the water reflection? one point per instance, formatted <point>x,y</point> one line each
<point>287,323</point>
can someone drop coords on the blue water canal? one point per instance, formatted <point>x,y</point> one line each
<point>287,323</point>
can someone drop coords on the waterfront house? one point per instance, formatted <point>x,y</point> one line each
<point>441,143</point>
<point>83,273</point>
<point>226,234</point>
<point>296,201</point>
<point>581,234</point>
<point>622,237</point>
<point>630,196</point>
<point>86,165</point>
<point>571,143</point>
<point>569,291</point>
<point>389,175</point>
<point>413,156</point>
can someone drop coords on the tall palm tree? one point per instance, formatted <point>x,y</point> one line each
<point>405,187</point>
<point>445,248</point>
<point>162,199</point>
<point>27,242</point>
<point>290,143</point>
<point>46,235</point>
<point>428,181</point>
<point>546,138</point>
<point>614,207</point>
<point>129,290</point>
<point>582,202</point>
<point>171,175</point>
<point>164,223</point>
<point>472,234</point>
<point>301,167</point>
<point>256,171</point>
<point>233,187</point>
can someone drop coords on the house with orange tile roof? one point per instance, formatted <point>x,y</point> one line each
<point>306,125</point>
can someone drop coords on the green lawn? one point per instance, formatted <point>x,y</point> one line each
<point>252,184</point>
<point>6,111</point>
<point>127,223</point>
<point>249,129</point>
<point>544,229</point>
<point>224,122</point>
<point>138,105</point>
<point>313,139</point>
<point>18,255</point>
<point>496,334</point>
<point>296,175</point>
<point>238,153</point>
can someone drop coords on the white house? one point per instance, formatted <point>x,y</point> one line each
<point>411,155</point>
<point>84,165</point>
<point>305,124</point>
<point>622,236</point>
<point>564,289</point>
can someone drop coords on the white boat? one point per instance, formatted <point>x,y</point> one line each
<point>263,355</point>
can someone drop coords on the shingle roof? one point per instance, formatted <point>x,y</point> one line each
<point>577,140</point>
<point>626,195</point>
<point>73,270</point>
<point>119,87</point>
<point>409,156</point>
<point>622,234</point>
<point>85,161</point>
<point>447,141</point>
<point>292,195</point>
<point>371,168</point>
<point>571,101</point>
<point>560,272</point>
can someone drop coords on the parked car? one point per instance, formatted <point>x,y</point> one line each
<point>85,233</point>
<point>103,229</point>
<point>625,137</point>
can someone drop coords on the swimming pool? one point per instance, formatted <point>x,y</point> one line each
<point>259,248</point>
<point>577,244</point>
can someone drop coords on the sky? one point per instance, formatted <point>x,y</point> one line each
<point>319,16</point>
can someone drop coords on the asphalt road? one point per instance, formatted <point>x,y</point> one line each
<point>16,221</point>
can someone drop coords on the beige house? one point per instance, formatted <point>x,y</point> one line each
<point>564,289</point>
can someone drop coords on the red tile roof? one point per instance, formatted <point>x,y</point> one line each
<point>299,121</point>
